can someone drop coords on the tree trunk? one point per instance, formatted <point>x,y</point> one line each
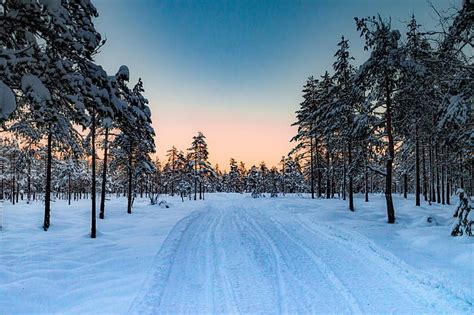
<point>318,169</point>
<point>311,166</point>
<point>93,190</point>
<point>333,179</point>
<point>130,181</point>
<point>432,177</point>
<point>2,186</point>
<point>29,180</point>
<point>366,175</point>
<point>405,185</point>
<point>195,180</point>
<point>200,190</point>
<point>438,189</point>
<point>344,178</point>
<point>13,172</point>
<point>443,174</point>
<point>328,178</point>
<point>391,155</point>
<point>425,178</point>
<point>351,177</point>
<point>104,175</point>
<point>448,191</point>
<point>69,188</point>
<point>417,167</point>
<point>47,193</point>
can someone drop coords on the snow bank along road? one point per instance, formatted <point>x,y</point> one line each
<point>237,257</point>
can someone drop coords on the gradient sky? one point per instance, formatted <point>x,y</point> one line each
<point>235,69</point>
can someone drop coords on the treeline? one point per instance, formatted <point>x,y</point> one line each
<point>187,174</point>
<point>59,108</point>
<point>402,120</point>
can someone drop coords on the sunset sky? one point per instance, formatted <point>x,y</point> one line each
<point>234,69</point>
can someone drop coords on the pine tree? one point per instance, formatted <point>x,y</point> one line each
<point>199,159</point>
<point>379,75</point>
<point>342,114</point>
<point>254,182</point>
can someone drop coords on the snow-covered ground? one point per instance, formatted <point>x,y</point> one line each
<point>231,254</point>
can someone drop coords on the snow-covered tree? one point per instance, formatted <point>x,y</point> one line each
<point>199,160</point>
<point>380,76</point>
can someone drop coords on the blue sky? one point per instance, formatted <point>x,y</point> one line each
<point>234,69</point>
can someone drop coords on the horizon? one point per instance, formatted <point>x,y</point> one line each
<point>235,70</point>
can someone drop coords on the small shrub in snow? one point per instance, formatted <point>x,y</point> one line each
<point>154,199</point>
<point>464,217</point>
<point>163,204</point>
<point>427,221</point>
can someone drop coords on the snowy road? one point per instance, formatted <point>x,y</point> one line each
<point>241,258</point>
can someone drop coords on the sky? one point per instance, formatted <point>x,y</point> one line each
<point>234,70</point>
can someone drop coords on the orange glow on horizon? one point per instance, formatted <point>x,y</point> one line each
<point>250,139</point>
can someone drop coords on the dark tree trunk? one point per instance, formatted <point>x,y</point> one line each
<point>438,189</point>
<point>344,178</point>
<point>13,189</point>
<point>2,186</point>
<point>417,167</point>
<point>333,179</point>
<point>425,178</point>
<point>366,181</point>
<point>351,176</point>
<point>47,193</point>
<point>318,169</point>
<point>443,175</point>
<point>448,190</point>
<point>432,177</point>
<point>328,175</point>
<point>104,175</point>
<point>391,155</point>
<point>371,182</point>
<point>311,169</point>
<point>93,189</point>
<point>200,190</point>
<point>69,188</point>
<point>405,185</point>
<point>29,179</point>
<point>195,180</point>
<point>130,181</point>
<point>141,187</point>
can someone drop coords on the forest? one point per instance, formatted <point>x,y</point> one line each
<point>398,122</point>
<point>356,217</point>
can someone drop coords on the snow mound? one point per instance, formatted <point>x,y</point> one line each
<point>427,220</point>
<point>32,86</point>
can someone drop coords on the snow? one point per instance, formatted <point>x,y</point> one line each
<point>123,73</point>
<point>34,88</point>
<point>232,253</point>
<point>7,101</point>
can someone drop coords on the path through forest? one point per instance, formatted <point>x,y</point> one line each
<point>238,257</point>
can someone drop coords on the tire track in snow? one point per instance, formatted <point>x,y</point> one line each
<point>220,268</point>
<point>408,277</point>
<point>146,302</point>
<point>340,289</point>
<point>379,278</point>
<point>234,258</point>
<point>273,253</point>
<point>261,269</point>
